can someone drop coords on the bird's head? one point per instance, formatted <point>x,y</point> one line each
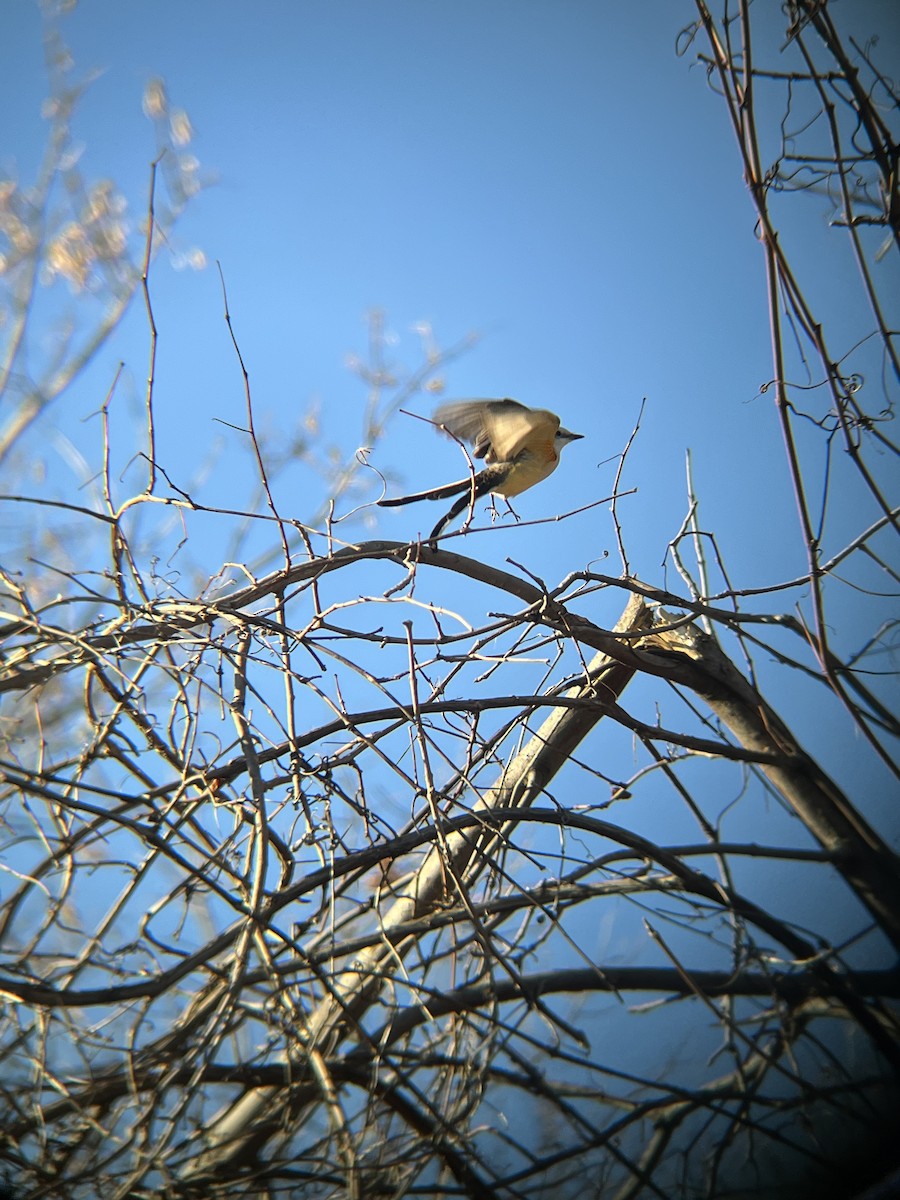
<point>563,437</point>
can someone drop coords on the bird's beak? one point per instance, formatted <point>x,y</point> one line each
<point>568,435</point>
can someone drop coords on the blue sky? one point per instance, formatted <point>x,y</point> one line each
<point>551,177</point>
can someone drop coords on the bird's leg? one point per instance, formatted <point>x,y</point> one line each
<point>495,516</point>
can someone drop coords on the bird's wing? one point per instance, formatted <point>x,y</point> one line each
<point>498,430</point>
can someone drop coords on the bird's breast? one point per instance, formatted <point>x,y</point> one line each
<point>526,470</point>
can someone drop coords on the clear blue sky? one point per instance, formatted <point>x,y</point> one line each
<point>550,176</point>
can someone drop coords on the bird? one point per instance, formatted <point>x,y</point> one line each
<point>520,445</point>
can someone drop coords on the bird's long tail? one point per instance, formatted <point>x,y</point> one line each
<point>441,493</point>
<point>467,490</point>
<point>462,502</point>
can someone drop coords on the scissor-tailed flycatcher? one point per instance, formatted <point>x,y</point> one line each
<point>520,445</point>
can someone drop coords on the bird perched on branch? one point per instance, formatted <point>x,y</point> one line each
<point>521,446</point>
